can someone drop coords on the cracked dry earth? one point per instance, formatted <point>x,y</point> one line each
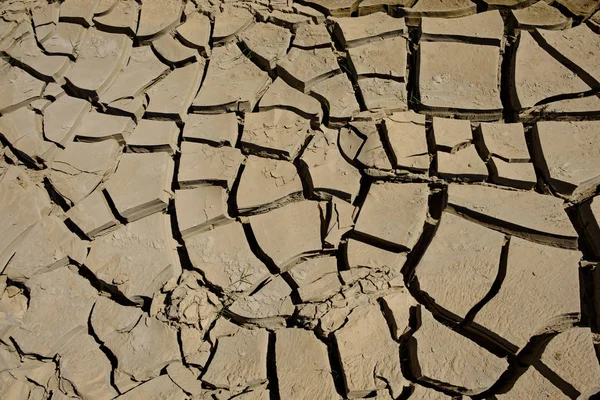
<point>323,199</point>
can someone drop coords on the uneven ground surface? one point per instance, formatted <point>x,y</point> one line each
<point>324,199</point>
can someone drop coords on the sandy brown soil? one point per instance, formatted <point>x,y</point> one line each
<point>280,200</point>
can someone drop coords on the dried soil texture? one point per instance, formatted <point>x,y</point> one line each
<point>299,200</point>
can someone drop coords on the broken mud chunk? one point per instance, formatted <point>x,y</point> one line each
<point>97,127</point>
<point>122,18</point>
<point>363,255</point>
<point>506,141</point>
<point>482,28</point>
<point>383,222</point>
<point>337,8</point>
<point>44,333</point>
<point>18,87</point>
<point>195,32</point>
<point>397,310</point>
<point>302,365</point>
<point>429,355</point>
<point>47,246</point>
<point>142,70</point>
<point>215,129</point>
<point>309,36</point>
<point>383,94</point>
<point>161,387</point>
<point>303,69</point>
<point>158,17</point>
<point>352,32</point>
<point>231,22</point>
<point>185,378</point>
<point>65,40</point>
<point>462,254</point>
<point>337,96</point>
<point>329,172</point>
<point>92,215</point>
<point>137,259</point>
<point>541,283</point>
<point>225,259</point>
<point>372,153</point>
<point>582,8</point>
<point>516,175</point>
<point>173,95</point>
<point>368,355</point>
<point>200,208</point>
<point>151,136</point>
<point>441,9</point>
<point>527,214</point>
<point>173,52</point>
<point>267,43</point>
<point>266,184</point>
<point>203,164</point>
<point>289,232</point>
<point>530,87</point>
<point>451,134</point>
<point>100,57</point>
<point>571,167</point>
<point>382,59</point>
<point>465,165</point>
<point>447,85</point>
<point>63,117</point>
<point>281,95</point>
<point>77,11</point>
<point>240,361</point>
<point>22,129</point>
<point>268,307</point>
<point>405,132</point>
<point>141,185</point>
<point>232,83</point>
<point>540,15</point>
<point>77,170</point>
<point>275,133</point>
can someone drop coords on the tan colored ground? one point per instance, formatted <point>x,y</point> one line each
<point>279,200</point>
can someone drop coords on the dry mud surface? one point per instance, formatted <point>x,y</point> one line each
<point>277,200</point>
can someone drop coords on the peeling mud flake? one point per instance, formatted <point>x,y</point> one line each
<point>406,135</point>
<point>63,117</point>
<point>157,17</point>
<point>302,364</point>
<point>98,127</point>
<point>370,359</point>
<point>267,42</point>
<point>92,215</point>
<point>383,58</point>
<point>18,87</point>
<point>338,97</point>
<point>441,9</point>
<point>122,18</point>
<point>482,28</point>
<point>153,136</point>
<point>309,36</point>
<point>383,94</point>
<point>463,165</point>
<point>230,22</point>
<point>240,361</point>
<point>22,129</point>
<point>173,52</point>
<point>200,208</point>
<point>302,69</point>
<point>280,95</point>
<point>393,214</point>
<point>195,32</point>
<point>540,15</point>
<point>136,260</point>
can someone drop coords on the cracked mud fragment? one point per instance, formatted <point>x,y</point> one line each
<point>18,87</point>
<point>202,164</point>
<point>352,32</point>
<point>97,127</point>
<point>280,95</point>
<point>473,369</point>
<point>158,17</point>
<point>230,22</point>
<point>141,184</point>
<point>137,259</point>
<point>540,284</point>
<point>572,168</point>
<point>362,255</point>
<point>447,85</point>
<point>382,58</point>
<point>463,165</point>
<point>92,215</point>
<point>22,128</point>
<point>122,18</point>
<point>65,40</point>
<point>232,83</point>
<point>266,183</point>
<point>152,136</point>
<point>62,118</point>
<point>200,208</point>
<point>173,95</point>
<point>172,51</point>
<point>161,387</point>
<point>78,169</point>
<point>224,258</point>
<point>338,97</point>
<point>540,15</point>
<point>369,357</point>
<point>289,232</point>
<point>406,135</point>
<point>302,365</point>
<point>195,32</point>
<point>589,218</point>
<point>329,173</point>
<point>462,254</point>
<point>441,8</point>
<point>383,94</point>
<point>267,42</point>
<point>381,222</point>
<point>303,69</point>
<point>275,133</point>
<point>240,361</point>
<point>482,28</point>
<point>309,36</point>
<point>215,129</point>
